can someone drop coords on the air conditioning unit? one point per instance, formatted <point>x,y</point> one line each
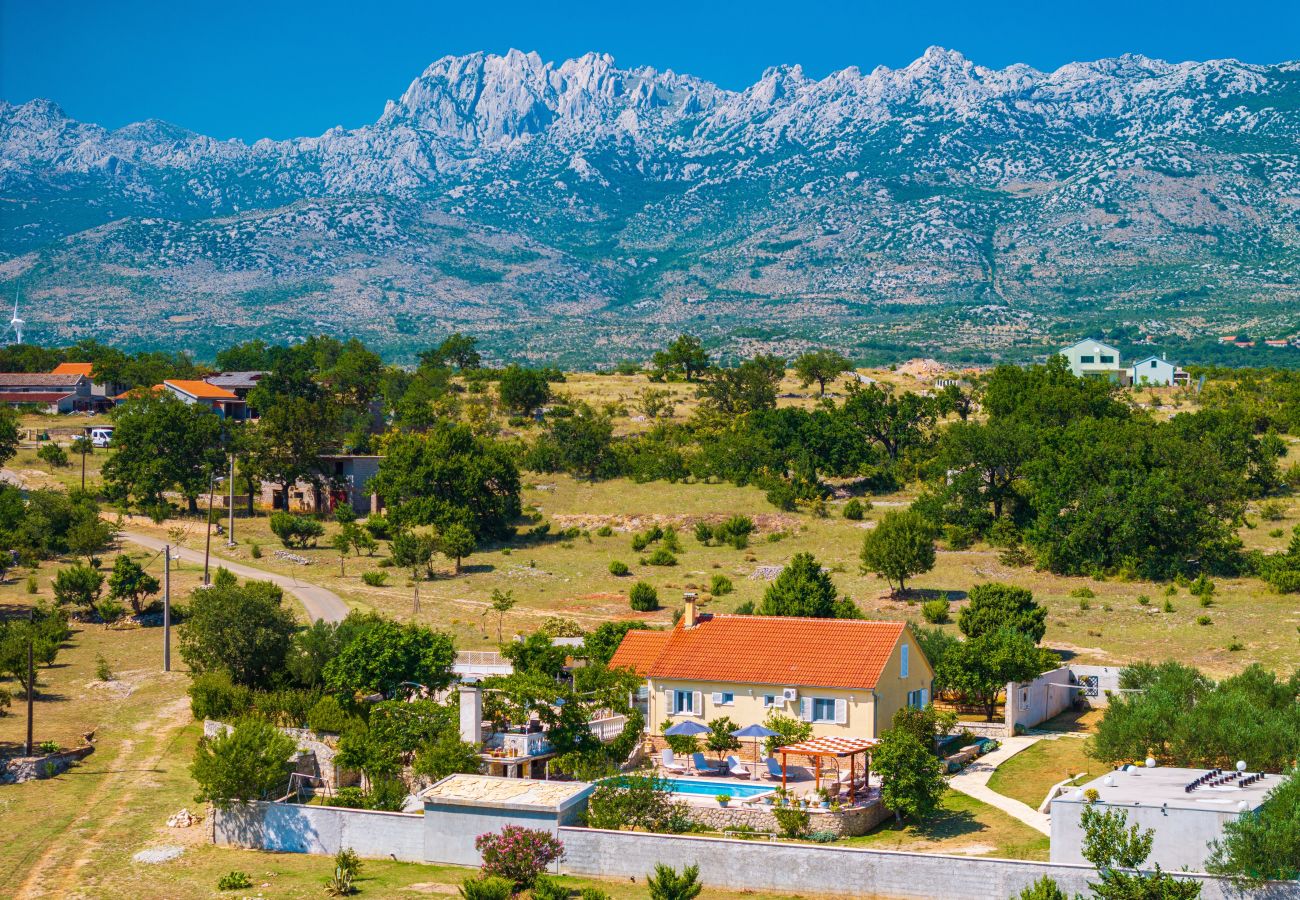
<point>789,695</point>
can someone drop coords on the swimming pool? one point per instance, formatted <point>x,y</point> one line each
<point>705,787</point>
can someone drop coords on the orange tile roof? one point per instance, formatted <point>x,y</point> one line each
<point>71,368</point>
<point>201,389</point>
<point>776,650</point>
<point>638,650</point>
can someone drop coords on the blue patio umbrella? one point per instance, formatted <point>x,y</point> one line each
<point>688,729</point>
<point>755,732</point>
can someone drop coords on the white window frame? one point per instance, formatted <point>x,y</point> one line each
<point>678,696</point>
<point>822,703</point>
<point>772,700</point>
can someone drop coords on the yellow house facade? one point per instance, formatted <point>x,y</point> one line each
<point>846,678</point>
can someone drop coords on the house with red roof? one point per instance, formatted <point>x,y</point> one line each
<point>224,403</point>
<point>62,393</point>
<point>845,677</point>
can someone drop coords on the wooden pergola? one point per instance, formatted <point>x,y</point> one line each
<point>832,747</point>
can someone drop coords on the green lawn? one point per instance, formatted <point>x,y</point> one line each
<point>963,825</point>
<point>1029,775</point>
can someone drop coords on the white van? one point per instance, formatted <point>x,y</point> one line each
<point>101,437</point>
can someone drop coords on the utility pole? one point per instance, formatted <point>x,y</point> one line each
<point>167,607</point>
<point>85,442</point>
<point>31,674</point>
<point>230,503</point>
<point>207,543</point>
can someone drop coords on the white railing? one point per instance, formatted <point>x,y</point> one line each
<point>607,729</point>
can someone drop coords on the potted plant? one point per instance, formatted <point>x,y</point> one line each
<point>825,798</point>
<point>835,805</point>
<point>723,800</point>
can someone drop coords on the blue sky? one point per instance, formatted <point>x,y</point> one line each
<point>266,69</point>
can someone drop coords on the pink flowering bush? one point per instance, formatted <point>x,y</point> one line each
<point>518,854</point>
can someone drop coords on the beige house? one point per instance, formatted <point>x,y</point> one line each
<point>845,677</point>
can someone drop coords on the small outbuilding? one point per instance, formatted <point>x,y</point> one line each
<point>1156,371</point>
<point>1186,808</point>
<point>461,807</point>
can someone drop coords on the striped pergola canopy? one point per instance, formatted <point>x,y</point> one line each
<point>830,746</point>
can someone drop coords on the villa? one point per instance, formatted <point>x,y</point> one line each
<point>845,677</point>
<point>1092,359</point>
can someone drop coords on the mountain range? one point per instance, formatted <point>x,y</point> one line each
<point>581,213</point>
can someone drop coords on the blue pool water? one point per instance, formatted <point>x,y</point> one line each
<point>711,788</point>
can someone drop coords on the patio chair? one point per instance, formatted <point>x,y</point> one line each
<point>702,766</point>
<point>735,769</point>
<point>670,763</point>
<point>774,769</point>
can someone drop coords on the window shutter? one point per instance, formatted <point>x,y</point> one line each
<point>805,709</point>
<point>698,706</point>
<point>670,702</point>
<point>717,698</point>
<point>841,712</point>
<point>902,666</point>
<point>925,697</point>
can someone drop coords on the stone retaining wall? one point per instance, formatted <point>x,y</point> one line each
<point>30,768</point>
<point>844,823</point>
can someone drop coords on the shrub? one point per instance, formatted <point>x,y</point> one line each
<point>1276,533</point>
<point>671,542</point>
<point>486,888</point>
<point>590,893</point>
<point>52,454</point>
<point>546,888</point>
<point>643,597</point>
<point>1169,606</point>
<point>48,747</point>
<point>327,716</point>
<point>618,568</point>
<point>822,837</point>
<point>33,586</point>
<point>792,822</point>
<point>375,578</point>
<point>666,884</point>
<point>1204,620</point>
<point>1144,600</point>
<point>720,585</point>
<point>102,669</point>
<point>1285,581</point>
<point>735,531</point>
<point>255,551</point>
<point>109,610</point>
<point>935,611</point>
<point>347,865</point>
<point>1043,889</point>
<point>853,510</point>
<point>1272,510</point>
<point>79,585</point>
<point>958,537</point>
<point>1202,587</point>
<point>661,557</point>
<point>1083,593</point>
<point>703,532</point>
<point>296,531</point>
<point>604,531</point>
<point>234,881</point>
<point>214,696</point>
<point>518,854</point>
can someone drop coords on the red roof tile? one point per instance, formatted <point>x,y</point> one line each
<point>73,368</point>
<point>32,396</point>
<point>201,389</point>
<point>638,650</point>
<point>777,650</point>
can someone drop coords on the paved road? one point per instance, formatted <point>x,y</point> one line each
<point>973,781</point>
<point>319,602</point>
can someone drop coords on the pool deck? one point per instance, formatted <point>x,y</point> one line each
<point>799,783</point>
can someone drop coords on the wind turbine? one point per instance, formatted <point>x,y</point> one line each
<point>16,324</point>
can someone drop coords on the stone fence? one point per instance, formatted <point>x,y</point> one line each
<point>18,769</point>
<point>851,822</point>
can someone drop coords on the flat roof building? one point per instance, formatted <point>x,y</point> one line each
<point>1186,808</point>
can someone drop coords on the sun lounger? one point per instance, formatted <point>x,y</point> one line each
<point>702,765</point>
<point>670,763</point>
<point>735,768</point>
<point>774,769</point>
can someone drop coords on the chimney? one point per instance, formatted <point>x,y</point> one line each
<point>688,618</point>
<point>471,712</point>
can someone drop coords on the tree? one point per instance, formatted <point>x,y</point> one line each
<point>449,475</point>
<point>789,730</point>
<point>243,629</point>
<point>88,535</point>
<point>412,551</point>
<point>820,366</point>
<point>8,434</point>
<point>342,543</point>
<point>518,854</point>
<point>161,443</point>
<point>523,391</point>
<point>1266,845</point>
<point>1118,851</point>
<point>46,631</point>
<point>926,724</point>
<point>78,585</point>
<point>900,546</point>
<point>131,583</point>
<point>294,530</point>
<point>911,775</point>
<point>994,605</point>
<point>456,542</point>
<point>685,355</point>
<point>536,654</point>
<point>459,350</point>
<point>292,436</point>
<point>720,738</point>
<point>448,755</point>
<point>979,668</point>
<point>896,422</point>
<point>251,762</point>
<point>983,464</point>
<point>804,589</point>
<point>748,387</point>
<point>643,597</point>
<point>500,603</point>
<point>582,442</point>
<point>310,650</point>
<point>666,884</point>
<point>633,802</point>
<point>381,655</point>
